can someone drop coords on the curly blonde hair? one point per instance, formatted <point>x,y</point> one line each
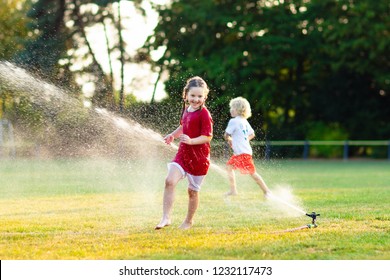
<point>242,107</point>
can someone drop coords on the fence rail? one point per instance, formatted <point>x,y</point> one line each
<point>221,149</point>
<point>306,144</point>
<point>324,143</point>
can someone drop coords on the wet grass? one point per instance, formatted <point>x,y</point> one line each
<point>106,209</point>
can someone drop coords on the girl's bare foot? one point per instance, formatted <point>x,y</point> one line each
<point>185,225</point>
<point>231,193</point>
<point>163,223</point>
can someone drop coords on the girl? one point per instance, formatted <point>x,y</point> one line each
<point>193,157</point>
<point>238,134</point>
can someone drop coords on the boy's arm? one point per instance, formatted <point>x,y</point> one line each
<point>228,138</point>
<point>251,136</point>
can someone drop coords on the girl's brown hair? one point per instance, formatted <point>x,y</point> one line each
<point>193,82</point>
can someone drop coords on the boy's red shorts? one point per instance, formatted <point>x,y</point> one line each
<point>243,162</point>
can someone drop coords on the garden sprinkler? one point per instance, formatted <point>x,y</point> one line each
<point>314,216</point>
<point>313,224</point>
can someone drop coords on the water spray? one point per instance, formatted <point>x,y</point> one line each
<point>273,197</point>
<point>41,94</point>
<point>312,215</point>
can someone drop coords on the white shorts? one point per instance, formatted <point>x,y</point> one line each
<point>194,182</point>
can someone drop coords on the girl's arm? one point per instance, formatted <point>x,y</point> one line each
<point>207,125</point>
<point>175,134</point>
<point>195,141</point>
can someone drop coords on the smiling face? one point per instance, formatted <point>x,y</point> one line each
<point>196,97</point>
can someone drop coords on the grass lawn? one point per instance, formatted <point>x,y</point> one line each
<point>106,209</point>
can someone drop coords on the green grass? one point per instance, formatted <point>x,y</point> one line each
<point>106,209</point>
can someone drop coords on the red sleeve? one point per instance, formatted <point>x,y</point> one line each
<point>206,123</point>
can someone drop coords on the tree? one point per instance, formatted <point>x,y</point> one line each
<point>351,71</point>
<point>13,32</point>
<point>12,26</point>
<point>63,30</point>
<point>103,95</point>
<point>290,58</point>
<point>44,51</point>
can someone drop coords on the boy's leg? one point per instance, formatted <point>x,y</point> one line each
<point>173,177</point>
<point>193,203</point>
<point>232,180</point>
<point>259,180</point>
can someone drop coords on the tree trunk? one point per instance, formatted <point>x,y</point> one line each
<point>106,85</point>
<point>122,59</point>
<point>110,96</point>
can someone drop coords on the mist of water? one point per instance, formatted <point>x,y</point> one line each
<point>100,131</point>
<point>69,128</point>
<point>145,133</point>
<point>284,200</point>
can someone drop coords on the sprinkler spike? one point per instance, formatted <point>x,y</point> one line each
<point>314,216</point>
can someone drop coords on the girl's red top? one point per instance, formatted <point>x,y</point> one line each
<point>195,159</point>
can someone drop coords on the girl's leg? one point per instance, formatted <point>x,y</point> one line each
<point>259,180</point>
<point>173,177</point>
<point>232,181</point>
<point>193,203</point>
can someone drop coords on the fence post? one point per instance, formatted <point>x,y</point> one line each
<point>11,139</point>
<point>388,150</point>
<point>7,138</point>
<point>306,148</point>
<point>1,138</point>
<point>267,150</point>
<point>346,149</point>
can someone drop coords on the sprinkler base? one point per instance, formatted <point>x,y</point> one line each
<point>314,216</point>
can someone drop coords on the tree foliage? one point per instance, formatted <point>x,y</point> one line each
<point>13,27</point>
<point>13,31</point>
<point>299,62</point>
<point>61,48</point>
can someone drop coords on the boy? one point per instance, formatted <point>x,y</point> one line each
<point>238,134</point>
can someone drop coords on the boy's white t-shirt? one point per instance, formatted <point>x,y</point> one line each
<point>239,129</point>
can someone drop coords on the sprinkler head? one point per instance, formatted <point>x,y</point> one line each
<point>314,216</point>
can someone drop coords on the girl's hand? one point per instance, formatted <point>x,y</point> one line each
<point>169,139</point>
<point>185,139</point>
